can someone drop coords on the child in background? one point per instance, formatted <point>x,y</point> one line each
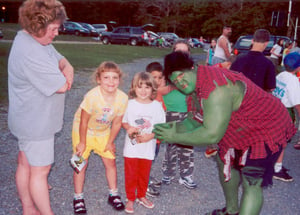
<point>96,124</point>
<point>142,113</point>
<point>288,91</point>
<point>156,70</point>
<point>177,154</point>
<point>287,47</point>
<point>211,51</point>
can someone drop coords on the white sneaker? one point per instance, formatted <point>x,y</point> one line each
<point>188,182</point>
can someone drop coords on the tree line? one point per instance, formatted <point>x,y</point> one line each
<point>187,18</point>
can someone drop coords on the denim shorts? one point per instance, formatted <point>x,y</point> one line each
<point>38,152</point>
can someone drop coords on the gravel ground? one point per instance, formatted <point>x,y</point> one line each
<point>175,199</point>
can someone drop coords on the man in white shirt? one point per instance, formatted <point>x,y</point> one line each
<point>223,47</point>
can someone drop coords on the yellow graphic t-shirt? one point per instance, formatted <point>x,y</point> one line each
<point>102,114</point>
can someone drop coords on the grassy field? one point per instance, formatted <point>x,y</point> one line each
<point>80,55</point>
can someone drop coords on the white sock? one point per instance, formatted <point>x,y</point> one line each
<point>113,192</point>
<point>78,196</point>
<point>277,167</point>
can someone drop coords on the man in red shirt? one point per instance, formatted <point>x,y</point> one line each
<point>249,125</point>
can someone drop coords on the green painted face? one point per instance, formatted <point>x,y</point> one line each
<point>185,81</point>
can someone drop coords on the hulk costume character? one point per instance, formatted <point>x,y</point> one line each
<point>249,125</point>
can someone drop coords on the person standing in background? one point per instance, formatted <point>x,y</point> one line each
<point>276,52</point>
<point>211,52</point>
<point>254,65</point>
<point>176,105</point>
<point>223,47</point>
<point>38,77</point>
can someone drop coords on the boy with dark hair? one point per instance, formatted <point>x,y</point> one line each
<point>156,71</point>
<point>255,65</point>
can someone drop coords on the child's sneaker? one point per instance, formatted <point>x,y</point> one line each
<point>156,183</point>
<point>79,206</point>
<point>283,175</point>
<point>116,203</point>
<point>167,179</point>
<point>151,191</point>
<point>188,182</point>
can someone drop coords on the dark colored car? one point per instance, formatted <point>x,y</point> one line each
<point>125,35</point>
<point>73,28</point>
<point>93,30</point>
<point>244,43</point>
<point>1,34</point>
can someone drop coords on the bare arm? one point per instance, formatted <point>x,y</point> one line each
<point>217,111</point>
<point>83,126</point>
<point>68,71</point>
<point>166,89</point>
<point>223,43</point>
<point>115,128</point>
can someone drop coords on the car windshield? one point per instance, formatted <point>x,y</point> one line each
<point>246,42</point>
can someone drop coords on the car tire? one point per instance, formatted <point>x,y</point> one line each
<point>133,41</point>
<point>105,40</point>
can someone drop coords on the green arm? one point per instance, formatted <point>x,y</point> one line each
<point>217,111</point>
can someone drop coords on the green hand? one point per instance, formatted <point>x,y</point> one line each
<point>165,132</point>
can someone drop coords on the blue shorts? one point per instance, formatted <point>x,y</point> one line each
<point>38,152</point>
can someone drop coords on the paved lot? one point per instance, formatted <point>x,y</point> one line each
<point>282,198</point>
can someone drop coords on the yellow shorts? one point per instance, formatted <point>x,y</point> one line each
<point>93,143</point>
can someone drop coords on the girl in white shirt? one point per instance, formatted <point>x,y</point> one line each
<point>142,113</point>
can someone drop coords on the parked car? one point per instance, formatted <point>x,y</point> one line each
<point>152,37</point>
<point>75,28</point>
<point>93,31</point>
<point>100,27</point>
<point>1,34</point>
<point>244,43</point>
<point>195,43</point>
<point>169,37</point>
<point>125,35</point>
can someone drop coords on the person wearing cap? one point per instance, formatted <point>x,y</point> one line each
<point>250,126</point>
<point>223,46</point>
<point>288,88</point>
<point>254,65</point>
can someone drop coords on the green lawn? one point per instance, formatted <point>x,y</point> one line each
<point>80,55</point>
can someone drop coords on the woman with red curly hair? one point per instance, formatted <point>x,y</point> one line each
<point>38,77</point>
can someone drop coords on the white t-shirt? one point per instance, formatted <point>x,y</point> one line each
<point>277,50</point>
<point>287,89</point>
<point>143,116</point>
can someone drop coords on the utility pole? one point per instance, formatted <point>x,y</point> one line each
<point>290,23</point>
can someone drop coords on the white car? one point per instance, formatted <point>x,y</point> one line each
<point>100,27</point>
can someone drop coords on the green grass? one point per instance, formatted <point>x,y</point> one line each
<point>91,55</point>
<point>85,56</point>
<point>80,55</point>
